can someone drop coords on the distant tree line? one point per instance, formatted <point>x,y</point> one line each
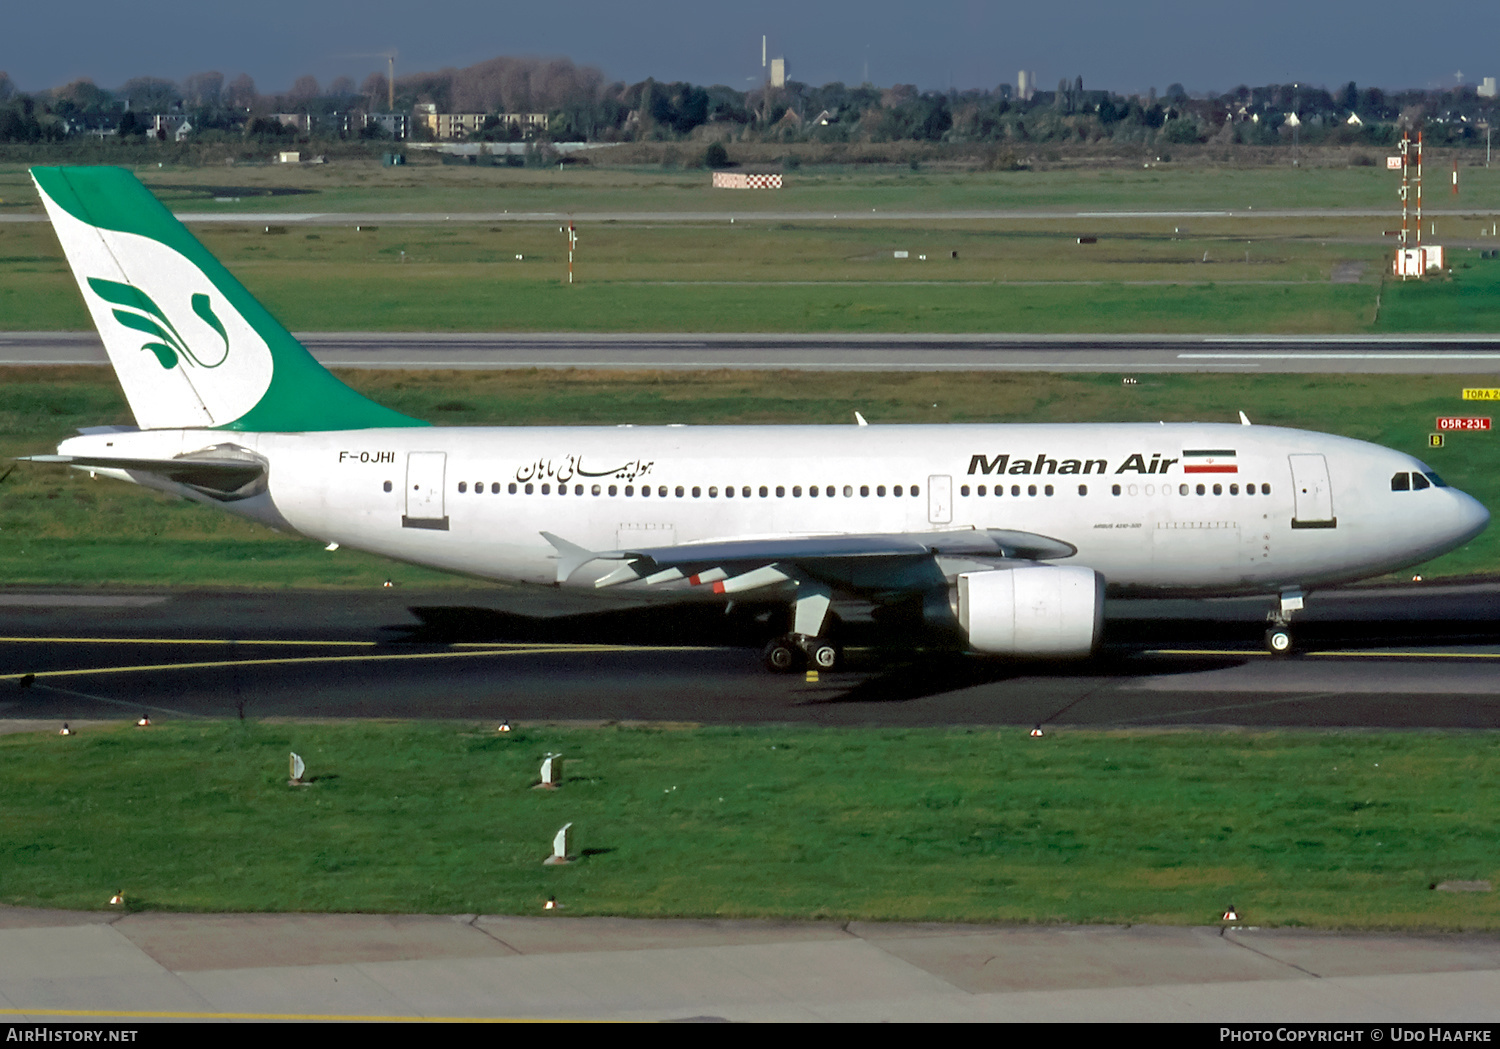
<point>582,106</point>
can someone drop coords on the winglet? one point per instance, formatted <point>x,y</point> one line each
<point>860,419</point>
<point>1244,419</point>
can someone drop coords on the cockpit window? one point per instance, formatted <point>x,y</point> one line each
<point>1437,482</point>
<point>1401,482</point>
<point>1418,482</point>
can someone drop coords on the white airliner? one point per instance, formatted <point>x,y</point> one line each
<point>1006,537</point>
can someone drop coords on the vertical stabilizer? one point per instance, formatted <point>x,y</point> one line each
<point>189,344</point>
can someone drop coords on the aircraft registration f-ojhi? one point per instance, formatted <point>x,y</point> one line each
<point>1005,537</point>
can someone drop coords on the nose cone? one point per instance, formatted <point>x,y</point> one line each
<point>1466,518</point>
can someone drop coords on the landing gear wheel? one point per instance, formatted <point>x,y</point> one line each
<point>823,654</point>
<point>781,656</point>
<point>1278,641</point>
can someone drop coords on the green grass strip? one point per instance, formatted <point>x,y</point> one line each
<point>1293,828</point>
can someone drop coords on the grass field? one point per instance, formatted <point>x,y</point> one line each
<point>1327,830</point>
<point>1146,273</point>
<point>61,527</point>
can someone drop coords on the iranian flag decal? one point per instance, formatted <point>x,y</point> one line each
<point>1208,461</point>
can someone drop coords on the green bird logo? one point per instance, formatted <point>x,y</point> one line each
<point>134,309</point>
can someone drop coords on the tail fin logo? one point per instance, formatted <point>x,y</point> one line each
<point>136,310</point>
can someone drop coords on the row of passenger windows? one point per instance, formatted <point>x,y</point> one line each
<point>1083,489</point>
<point>681,491</point>
<point>1200,489</point>
<point>1399,483</point>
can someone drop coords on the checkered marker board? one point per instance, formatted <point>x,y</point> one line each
<point>734,180</point>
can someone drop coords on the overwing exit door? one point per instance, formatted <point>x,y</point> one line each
<point>940,499</point>
<point>424,491</point>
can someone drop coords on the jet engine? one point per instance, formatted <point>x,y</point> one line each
<point>1032,610</point>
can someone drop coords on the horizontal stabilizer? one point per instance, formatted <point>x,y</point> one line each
<point>217,475</point>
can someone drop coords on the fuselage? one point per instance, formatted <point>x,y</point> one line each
<point>1203,508</point>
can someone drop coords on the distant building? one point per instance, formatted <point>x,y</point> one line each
<point>1486,88</point>
<point>778,72</point>
<point>449,126</point>
<point>1026,85</point>
<point>397,125</point>
<point>296,121</point>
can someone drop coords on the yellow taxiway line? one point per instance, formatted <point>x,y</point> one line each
<point>515,650</point>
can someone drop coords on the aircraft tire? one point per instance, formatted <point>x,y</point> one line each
<point>823,654</point>
<point>781,656</point>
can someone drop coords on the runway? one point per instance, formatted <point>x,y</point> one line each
<point>1420,656</point>
<point>727,214</point>
<point>1415,354</point>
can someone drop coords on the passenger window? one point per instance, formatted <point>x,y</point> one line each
<point>896,491</point>
<point>645,489</point>
<point>1031,489</point>
<point>729,491</point>
<point>864,491</point>
<point>713,493</point>
<point>680,491</point>
<point>880,491</point>
<point>1265,489</point>
<point>495,488</point>
<point>915,491</point>
<point>1418,482</point>
<point>963,490</point>
<point>1202,490</point>
<point>1218,489</point>
<point>980,490</point>
<point>1182,489</point>
<point>764,491</point>
<point>745,492</point>
<point>1083,489</point>
<point>1114,489</point>
<point>796,491</point>
<point>463,486</point>
<point>812,492</point>
<point>829,491</point>
<point>387,486</point>
<point>630,489</point>
<point>1234,489</point>
<point>1015,489</point>
<point>848,490</point>
<point>614,490</point>
<point>478,487</point>
<point>661,491</point>
<point>528,489</point>
<point>596,490</point>
<point>1401,482</point>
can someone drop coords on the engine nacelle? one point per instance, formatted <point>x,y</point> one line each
<point>1032,610</point>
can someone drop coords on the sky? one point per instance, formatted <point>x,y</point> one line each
<point>1122,46</point>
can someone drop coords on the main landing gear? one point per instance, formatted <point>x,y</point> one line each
<point>806,645</point>
<point>793,652</point>
<point>1279,623</point>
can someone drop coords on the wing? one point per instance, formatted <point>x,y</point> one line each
<point>868,564</point>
